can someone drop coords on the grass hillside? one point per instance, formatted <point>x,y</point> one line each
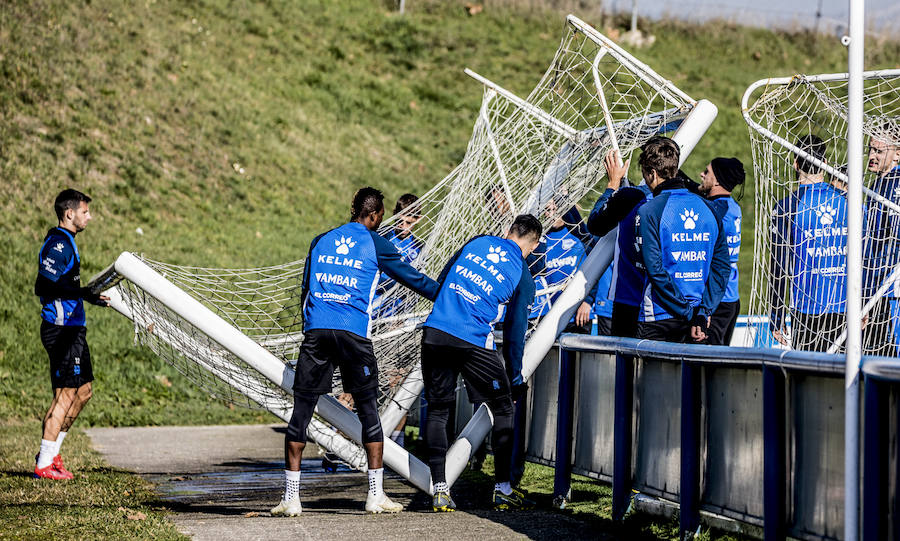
<point>231,133</point>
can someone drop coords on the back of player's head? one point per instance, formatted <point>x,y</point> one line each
<point>69,199</point>
<point>406,200</point>
<point>526,227</point>
<point>814,146</point>
<point>366,201</point>
<point>660,154</point>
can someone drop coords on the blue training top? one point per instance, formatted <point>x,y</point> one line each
<point>60,262</point>
<point>564,255</point>
<point>809,246</point>
<point>881,245</point>
<point>618,210</point>
<point>729,213</point>
<point>341,276</point>
<point>684,254</point>
<point>484,274</point>
<point>603,305</point>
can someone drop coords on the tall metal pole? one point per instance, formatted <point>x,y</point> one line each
<point>854,268</point>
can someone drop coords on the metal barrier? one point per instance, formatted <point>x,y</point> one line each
<point>752,434</point>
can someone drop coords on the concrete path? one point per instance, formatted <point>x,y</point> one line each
<point>221,481</point>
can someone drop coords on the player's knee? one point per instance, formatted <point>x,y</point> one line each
<point>367,409</point>
<point>304,405</point>
<point>502,411</point>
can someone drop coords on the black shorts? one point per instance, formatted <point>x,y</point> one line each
<point>444,357</point>
<point>323,350</point>
<point>70,357</point>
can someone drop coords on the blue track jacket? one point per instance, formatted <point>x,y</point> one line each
<point>809,248</point>
<point>618,210</point>
<point>484,274</point>
<point>684,253</point>
<point>881,244</point>
<point>729,213</point>
<point>341,276</point>
<point>60,263</point>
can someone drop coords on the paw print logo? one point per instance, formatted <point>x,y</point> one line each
<point>344,245</point>
<point>689,217</point>
<point>826,214</point>
<point>496,255</point>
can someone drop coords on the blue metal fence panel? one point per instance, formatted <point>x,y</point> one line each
<point>594,414</point>
<point>817,442</point>
<point>733,470</point>
<point>658,436</point>
<point>543,406</point>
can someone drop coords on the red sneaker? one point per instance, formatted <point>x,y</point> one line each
<point>50,472</point>
<point>58,464</point>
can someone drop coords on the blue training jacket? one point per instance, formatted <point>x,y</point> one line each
<point>603,305</point>
<point>484,274</point>
<point>618,210</point>
<point>809,247</point>
<point>729,213</point>
<point>881,245</point>
<point>341,276</point>
<point>60,262</point>
<point>684,253</point>
<point>563,255</point>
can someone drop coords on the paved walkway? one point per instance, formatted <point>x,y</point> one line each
<point>222,480</point>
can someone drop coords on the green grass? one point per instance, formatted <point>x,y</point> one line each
<point>591,501</point>
<point>100,503</point>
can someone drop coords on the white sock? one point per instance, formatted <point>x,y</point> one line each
<point>291,485</point>
<point>504,487</point>
<point>441,487</point>
<point>395,434</point>
<point>376,482</point>
<point>48,451</point>
<point>59,440</point>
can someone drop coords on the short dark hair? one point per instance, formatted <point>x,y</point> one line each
<point>69,199</point>
<point>366,201</point>
<point>660,154</point>
<point>815,147</point>
<point>525,226</point>
<point>406,200</point>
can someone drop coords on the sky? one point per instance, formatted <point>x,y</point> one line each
<point>880,14</point>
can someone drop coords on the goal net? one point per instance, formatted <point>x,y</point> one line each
<point>541,154</point>
<point>798,135</point>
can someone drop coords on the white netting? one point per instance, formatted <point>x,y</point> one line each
<point>542,154</point>
<point>798,131</point>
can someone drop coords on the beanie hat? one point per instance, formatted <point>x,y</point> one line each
<point>729,172</point>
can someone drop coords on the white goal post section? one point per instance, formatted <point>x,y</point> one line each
<point>237,343</point>
<point>779,112</point>
<point>547,148</point>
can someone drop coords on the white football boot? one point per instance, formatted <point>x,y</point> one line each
<point>287,508</point>
<point>381,505</point>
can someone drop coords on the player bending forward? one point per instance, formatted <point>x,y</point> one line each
<point>458,339</point>
<point>339,282</point>
<point>63,332</point>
